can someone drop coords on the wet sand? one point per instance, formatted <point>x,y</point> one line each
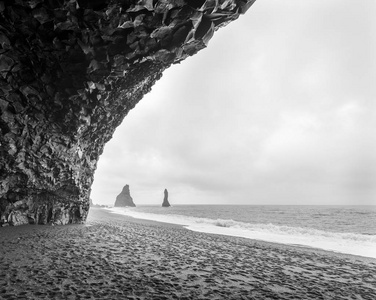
<point>116,257</point>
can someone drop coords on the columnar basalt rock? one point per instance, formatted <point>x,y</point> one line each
<point>70,71</point>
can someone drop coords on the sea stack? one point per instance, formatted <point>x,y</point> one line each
<point>124,198</point>
<point>165,199</point>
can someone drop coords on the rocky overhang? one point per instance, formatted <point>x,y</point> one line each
<point>70,71</point>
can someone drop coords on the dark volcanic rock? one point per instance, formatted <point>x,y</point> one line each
<point>165,199</point>
<point>70,71</point>
<point>124,198</point>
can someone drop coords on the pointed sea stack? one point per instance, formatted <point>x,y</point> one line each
<point>165,199</point>
<point>124,198</point>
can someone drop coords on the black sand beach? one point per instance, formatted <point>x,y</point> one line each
<point>115,257</point>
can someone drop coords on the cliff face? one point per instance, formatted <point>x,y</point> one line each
<point>70,72</point>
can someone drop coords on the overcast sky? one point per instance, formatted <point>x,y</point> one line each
<point>279,109</point>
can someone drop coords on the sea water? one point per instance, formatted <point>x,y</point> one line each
<point>345,229</point>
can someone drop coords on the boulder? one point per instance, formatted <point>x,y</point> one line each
<point>17,218</point>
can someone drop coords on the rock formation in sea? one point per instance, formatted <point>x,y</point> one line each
<point>70,71</point>
<point>124,198</point>
<point>165,199</point>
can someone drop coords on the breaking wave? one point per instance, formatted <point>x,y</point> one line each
<point>349,243</point>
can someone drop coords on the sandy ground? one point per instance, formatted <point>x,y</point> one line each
<point>115,257</point>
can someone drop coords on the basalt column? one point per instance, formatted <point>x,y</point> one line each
<point>70,70</point>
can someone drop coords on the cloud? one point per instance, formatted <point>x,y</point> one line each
<point>279,109</point>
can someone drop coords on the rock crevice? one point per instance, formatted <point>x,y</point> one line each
<point>70,71</point>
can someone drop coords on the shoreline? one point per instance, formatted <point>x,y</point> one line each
<point>276,244</point>
<point>117,257</point>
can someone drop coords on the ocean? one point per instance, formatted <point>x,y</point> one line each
<point>344,229</point>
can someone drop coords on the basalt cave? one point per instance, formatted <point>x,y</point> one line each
<point>70,72</point>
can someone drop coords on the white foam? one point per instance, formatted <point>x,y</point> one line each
<point>350,243</point>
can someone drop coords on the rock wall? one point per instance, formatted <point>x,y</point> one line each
<point>70,71</point>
